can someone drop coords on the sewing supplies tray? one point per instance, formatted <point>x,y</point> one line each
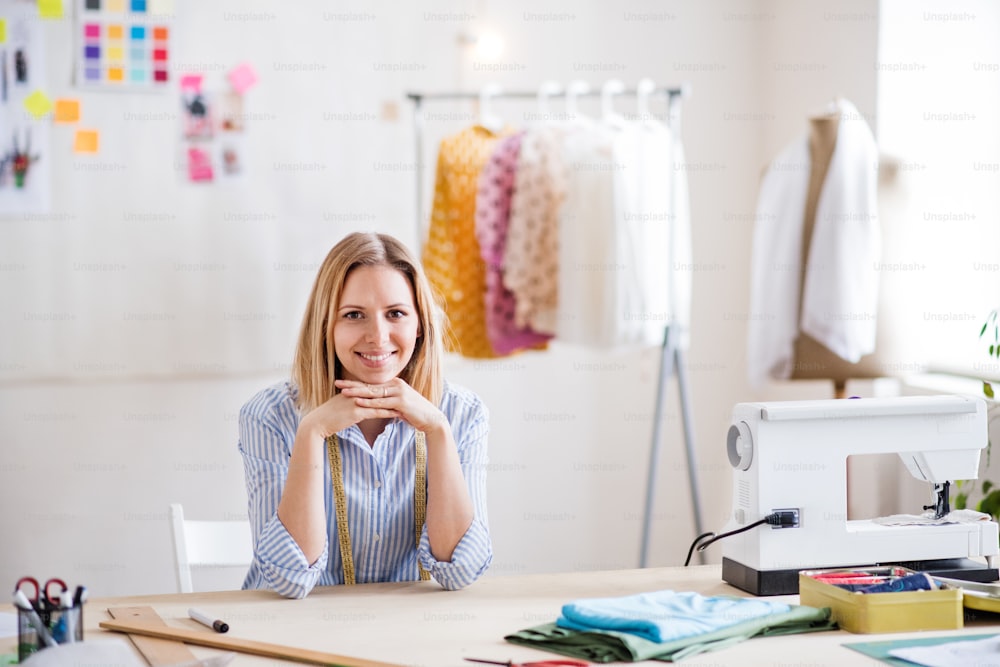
<point>897,611</point>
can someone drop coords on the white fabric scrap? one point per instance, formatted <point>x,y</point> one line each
<point>957,516</point>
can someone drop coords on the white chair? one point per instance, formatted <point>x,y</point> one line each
<point>207,544</point>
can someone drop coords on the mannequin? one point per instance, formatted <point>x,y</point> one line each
<point>813,360</point>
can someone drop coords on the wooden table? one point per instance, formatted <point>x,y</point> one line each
<point>421,624</point>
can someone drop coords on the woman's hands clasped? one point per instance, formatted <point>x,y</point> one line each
<point>394,398</point>
<point>358,401</point>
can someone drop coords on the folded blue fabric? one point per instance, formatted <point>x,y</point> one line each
<point>664,616</point>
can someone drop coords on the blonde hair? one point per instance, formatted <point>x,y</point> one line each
<point>316,365</point>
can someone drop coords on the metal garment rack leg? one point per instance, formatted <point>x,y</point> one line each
<point>671,353</point>
<point>671,364</point>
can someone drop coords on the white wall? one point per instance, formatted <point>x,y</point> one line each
<point>939,90</point>
<point>106,419</point>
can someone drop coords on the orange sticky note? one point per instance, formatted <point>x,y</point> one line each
<point>67,111</point>
<point>50,9</point>
<point>116,74</point>
<point>115,31</point>
<point>38,104</point>
<point>86,141</point>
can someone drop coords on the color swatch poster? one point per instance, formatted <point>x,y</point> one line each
<point>124,44</point>
<point>25,110</point>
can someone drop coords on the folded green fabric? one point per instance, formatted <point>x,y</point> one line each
<point>611,646</point>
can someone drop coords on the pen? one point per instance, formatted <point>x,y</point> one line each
<point>21,602</point>
<point>205,619</point>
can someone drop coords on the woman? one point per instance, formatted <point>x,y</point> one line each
<point>367,466</point>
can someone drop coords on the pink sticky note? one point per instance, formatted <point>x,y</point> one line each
<point>242,78</point>
<point>199,165</point>
<point>191,82</point>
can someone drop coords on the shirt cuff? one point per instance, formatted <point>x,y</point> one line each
<point>470,559</point>
<point>282,563</point>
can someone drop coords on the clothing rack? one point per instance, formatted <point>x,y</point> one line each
<point>671,351</point>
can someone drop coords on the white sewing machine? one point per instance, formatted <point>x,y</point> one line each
<point>793,456</point>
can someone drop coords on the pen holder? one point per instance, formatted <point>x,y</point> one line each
<point>37,630</point>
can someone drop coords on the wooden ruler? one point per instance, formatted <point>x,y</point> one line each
<point>157,652</point>
<point>216,640</point>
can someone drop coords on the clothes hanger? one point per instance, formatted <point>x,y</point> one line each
<point>545,91</point>
<point>643,90</point>
<point>573,90</point>
<point>611,88</point>
<point>487,119</point>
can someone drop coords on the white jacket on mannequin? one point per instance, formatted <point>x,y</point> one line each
<point>839,299</point>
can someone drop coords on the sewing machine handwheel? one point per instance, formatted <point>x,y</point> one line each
<point>739,444</point>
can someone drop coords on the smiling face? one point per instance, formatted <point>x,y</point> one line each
<point>376,325</point>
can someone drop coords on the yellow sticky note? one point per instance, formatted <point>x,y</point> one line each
<point>38,104</point>
<point>50,9</point>
<point>114,5</point>
<point>67,111</point>
<point>86,141</point>
<point>3,31</point>
<point>115,53</point>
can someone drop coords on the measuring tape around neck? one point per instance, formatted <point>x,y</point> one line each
<point>340,502</point>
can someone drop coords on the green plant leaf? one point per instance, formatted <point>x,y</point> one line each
<point>987,485</point>
<point>990,504</point>
<point>961,501</point>
<point>987,389</point>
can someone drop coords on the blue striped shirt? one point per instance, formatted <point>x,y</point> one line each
<point>378,482</point>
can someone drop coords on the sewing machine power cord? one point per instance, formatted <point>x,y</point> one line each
<point>781,519</point>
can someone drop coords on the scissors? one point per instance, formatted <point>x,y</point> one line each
<point>542,663</point>
<point>43,599</point>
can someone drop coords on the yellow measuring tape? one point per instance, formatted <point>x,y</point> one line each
<point>340,500</point>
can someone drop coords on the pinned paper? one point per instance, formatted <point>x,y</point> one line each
<point>199,165</point>
<point>242,78</point>
<point>3,31</point>
<point>67,111</point>
<point>38,104</point>
<point>191,83</point>
<point>86,141</point>
<point>50,9</point>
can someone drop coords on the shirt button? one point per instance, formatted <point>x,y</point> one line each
<point>377,537</point>
<point>378,484</point>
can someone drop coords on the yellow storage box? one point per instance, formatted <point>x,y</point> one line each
<point>903,611</point>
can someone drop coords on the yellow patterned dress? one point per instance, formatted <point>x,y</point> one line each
<point>451,257</point>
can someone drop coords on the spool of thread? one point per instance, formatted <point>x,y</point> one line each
<point>912,582</point>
